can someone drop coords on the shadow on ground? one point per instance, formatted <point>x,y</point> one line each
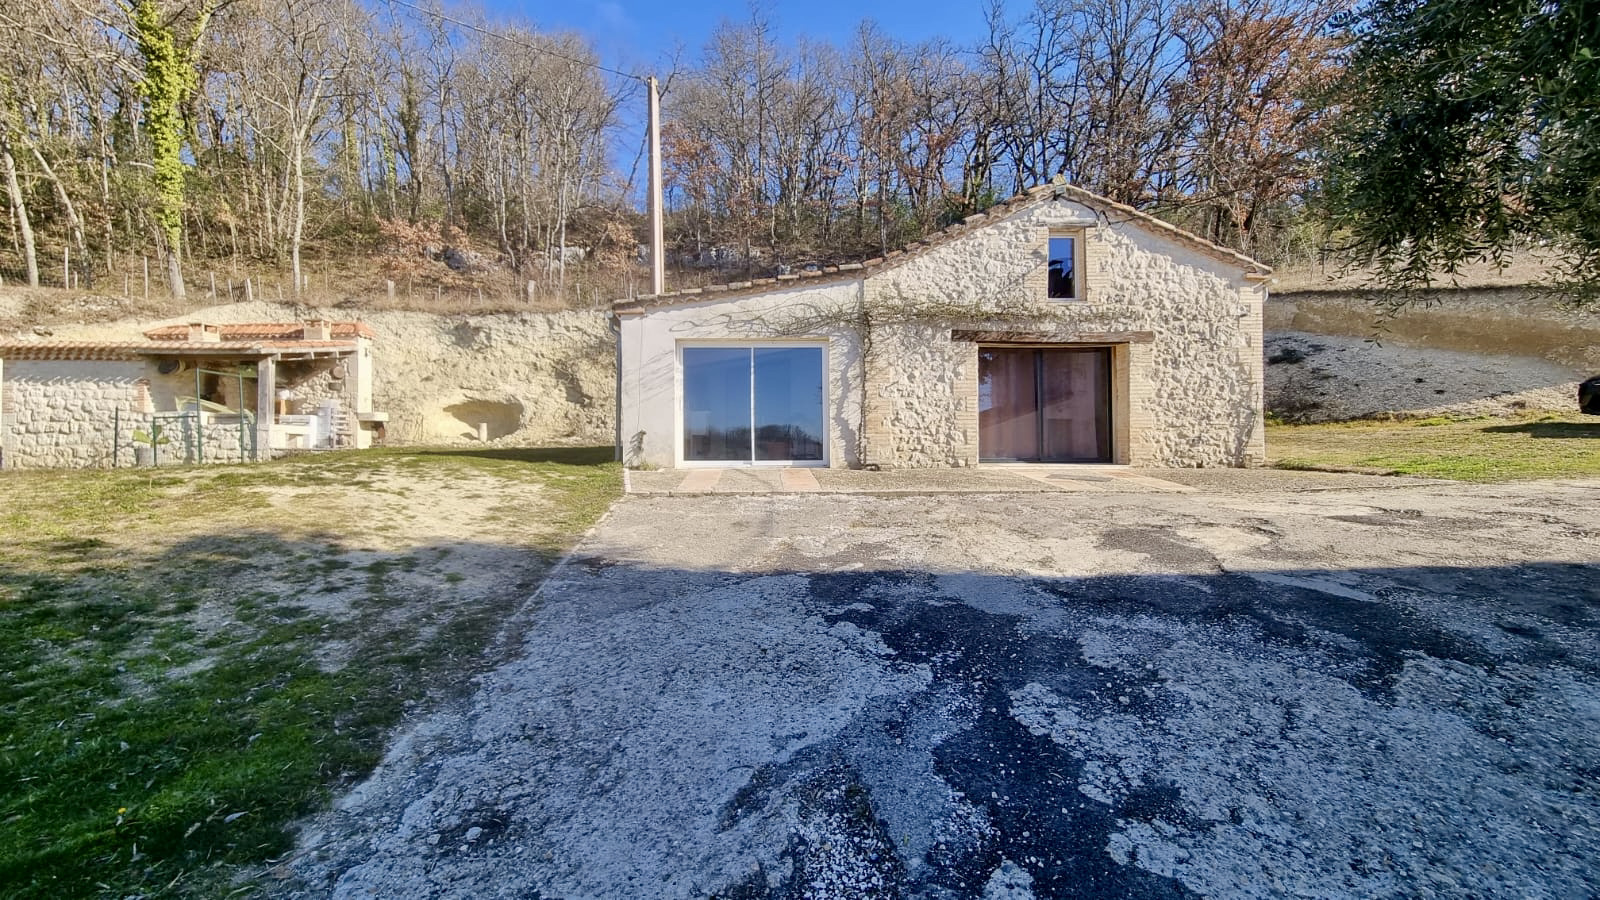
<point>571,456</point>
<point>1548,429</point>
<point>949,734</point>
<point>167,716</point>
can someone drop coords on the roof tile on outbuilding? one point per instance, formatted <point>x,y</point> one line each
<point>263,331</point>
<point>1057,189</point>
<point>133,350</point>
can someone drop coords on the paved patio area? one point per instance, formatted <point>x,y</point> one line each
<point>1390,690</point>
<point>999,479</point>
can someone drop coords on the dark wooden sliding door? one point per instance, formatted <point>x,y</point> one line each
<point>1044,404</point>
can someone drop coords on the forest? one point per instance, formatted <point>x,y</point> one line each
<point>353,145</point>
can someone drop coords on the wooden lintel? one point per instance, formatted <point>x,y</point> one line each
<point>1053,337</point>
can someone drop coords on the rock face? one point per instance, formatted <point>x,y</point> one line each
<point>531,378</point>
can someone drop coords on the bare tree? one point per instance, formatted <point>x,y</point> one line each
<point>296,55</point>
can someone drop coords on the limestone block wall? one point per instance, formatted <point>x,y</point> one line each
<point>1189,397</point>
<point>63,413</point>
<point>314,380</point>
<point>923,410</point>
<point>208,439</point>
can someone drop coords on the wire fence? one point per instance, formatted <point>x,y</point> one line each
<point>145,279</point>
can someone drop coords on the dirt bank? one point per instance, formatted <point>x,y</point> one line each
<point>1499,321</point>
<point>1493,349</point>
<point>532,378</point>
<point>1325,378</point>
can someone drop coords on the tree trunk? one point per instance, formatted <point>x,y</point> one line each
<point>18,203</point>
<point>297,161</point>
<point>169,82</point>
<point>175,273</point>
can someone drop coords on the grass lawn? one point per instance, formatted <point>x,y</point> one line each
<point>195,657</point>
<point>1475,449</point>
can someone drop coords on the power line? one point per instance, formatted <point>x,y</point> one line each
<point>511,40</point>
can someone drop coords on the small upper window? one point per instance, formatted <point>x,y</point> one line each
<point>1063,268</point>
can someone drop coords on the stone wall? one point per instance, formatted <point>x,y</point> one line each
<point>71,413</point>
<point>1190,397</point>
<point>66,413</point>
<point>204,439</point>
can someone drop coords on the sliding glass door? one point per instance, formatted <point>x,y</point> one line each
<point>753,404</point>
<point>1044,404</point>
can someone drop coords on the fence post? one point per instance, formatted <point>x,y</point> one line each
<point>249,292</point>
<point>388,287</point>
<point>213,285</point>
<point>147,278</point>
<point>66,267</point>
<point>529,291</point>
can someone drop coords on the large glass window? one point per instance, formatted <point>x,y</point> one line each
<point>753,404</point>
<point>1063,268</point>
<point>1044,404</point>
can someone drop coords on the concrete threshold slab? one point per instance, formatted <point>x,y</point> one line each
<point>1022,479</point>
<point>1092,478</point>
<point>798,481</point>
<point>700,481</point>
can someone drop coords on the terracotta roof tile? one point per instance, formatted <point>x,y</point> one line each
<point>131,350</point>
<point>261,331</point>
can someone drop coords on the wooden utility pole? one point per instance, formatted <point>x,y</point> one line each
<point>658,261</point>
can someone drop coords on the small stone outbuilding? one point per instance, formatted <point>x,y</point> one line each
<point>187,394</point>
<point>1058,326</point>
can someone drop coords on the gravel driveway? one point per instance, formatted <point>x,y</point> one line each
<point>1370,692</point>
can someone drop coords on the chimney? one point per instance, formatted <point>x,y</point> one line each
<point>200,331</point>
<point>317,330</point>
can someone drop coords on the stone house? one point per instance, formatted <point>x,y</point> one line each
<point>195,393</point>
<point>1058,326</point>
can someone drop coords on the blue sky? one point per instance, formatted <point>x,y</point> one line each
<point>636,35</point>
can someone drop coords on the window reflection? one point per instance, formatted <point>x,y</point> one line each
<point>788,407</point>
<point>716,403</point>
<point>1063,274</point>
<point>747,404</point>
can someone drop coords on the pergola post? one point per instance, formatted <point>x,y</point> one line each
<point>266,409</point>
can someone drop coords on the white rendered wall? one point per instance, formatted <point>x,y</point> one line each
<point>651,383</point>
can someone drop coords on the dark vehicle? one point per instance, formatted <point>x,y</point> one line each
<point>1589,396</point>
